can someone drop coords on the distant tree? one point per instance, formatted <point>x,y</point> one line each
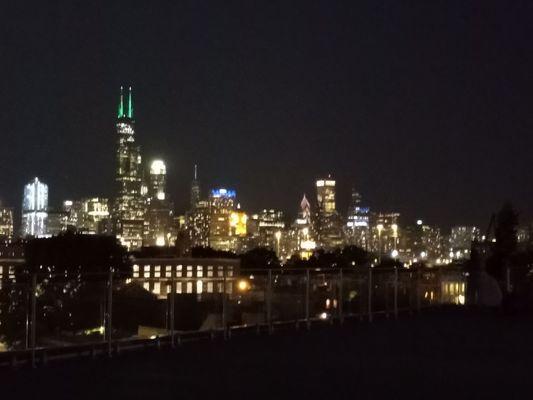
<point>134,306</point>
<point>505,231</point>
<point>351,256</point>
<point>259,258</point>
<point>76,254</point>
<point>209,252</point>
<point>506,241</point>
<point>388,262</point>
<point>348,257</point>
<point>72,272</point>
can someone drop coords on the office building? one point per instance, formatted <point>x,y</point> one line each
<point>6,223</point>
<point>159,216</point>
<point>461,238</point>
<point>328,223</point>
<point>222,205</point>
<point>357,230</point>
<point>129,207</point>
<point>35,209</point>
<point>384,232</point>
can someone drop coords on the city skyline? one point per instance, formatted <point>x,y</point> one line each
<point>414,117</point>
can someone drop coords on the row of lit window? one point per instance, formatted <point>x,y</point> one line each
<point>156,271</point>
<point>8,270</point>
<point>453,288</point>
<point>197,287</point>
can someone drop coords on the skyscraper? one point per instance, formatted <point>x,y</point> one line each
<point>6,222</point>
<point>35,209</point>
<point>222,204</point>
<point>325,195</point>
<point>328,222</point>
<point>129,208</point>
<point>358,222</point>
<point>158,222</point>
<point>87,215</point>
<point>195,189</point>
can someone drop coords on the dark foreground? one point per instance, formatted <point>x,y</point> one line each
<point>448,354</point>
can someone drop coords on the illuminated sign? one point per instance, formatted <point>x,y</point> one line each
<point>223,193</point>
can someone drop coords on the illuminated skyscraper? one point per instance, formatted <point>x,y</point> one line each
<point>461,239</point>
<point>222,205</point>
<point>358,223</point>
<point>301,238</point>
<point>158,224</point>
<point>35,209</point>
<point>195,189</point>
<point>87,215</point>
<point>6,222</point>
<point>129,207</point>
<point>197,224</point>
<point>328,223</point>
<point>325,195</point>
<point>266,227</point>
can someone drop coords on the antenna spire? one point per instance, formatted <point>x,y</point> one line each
<point>130,104</point>
<point>120,113</point>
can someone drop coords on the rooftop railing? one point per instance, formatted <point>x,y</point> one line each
<point>49,316</point>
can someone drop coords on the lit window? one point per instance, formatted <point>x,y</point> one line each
<point>189,287</point>
<point>178,287</point>
<point>168,271</point>
<point>135,268</point>
<point>199,271</point>
<point>199,287</point>
<point>189,271</point>
<point>146,286</point>
<point>210,271</point>
<point>157,288</point>
<point>178,271</point>
<point>209,287</point>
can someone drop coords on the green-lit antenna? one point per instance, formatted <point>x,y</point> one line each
<point>130,105</point>
<point>121,104</point>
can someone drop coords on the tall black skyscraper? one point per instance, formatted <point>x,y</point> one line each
<point>195,189</point>
<point>129,208</point>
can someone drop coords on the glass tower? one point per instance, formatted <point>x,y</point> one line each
<point>35,209</point>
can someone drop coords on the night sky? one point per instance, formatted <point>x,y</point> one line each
<point>424,106</point>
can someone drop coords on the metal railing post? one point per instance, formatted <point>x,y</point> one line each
<point>307,278</point>
<point>418,289</point>
<point>172,305</point>
<point>396,292</point>
<point>109,325</point>
<point>269,301</point>
<point>370,294</point>
<point>439,283</point>
<point>224,305</point>
<point>341,297</point>
<point>33,317</point>
<point>508,285</point>
<point>27,326</point>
